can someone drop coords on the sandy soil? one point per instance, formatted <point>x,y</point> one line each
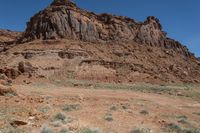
<point>37,105</point>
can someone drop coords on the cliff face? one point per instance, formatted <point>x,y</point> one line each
<point>63,19</point>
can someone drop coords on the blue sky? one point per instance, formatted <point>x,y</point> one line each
<point>180,18</point>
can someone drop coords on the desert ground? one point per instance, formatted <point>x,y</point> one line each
<point>87,107</point>
<point>75,71</point>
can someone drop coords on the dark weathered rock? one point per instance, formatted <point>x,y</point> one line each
<point>10,73</point>
<point>72,54</point>
<point>17,123</point>
<point>2,45</point>
<point>25,67</point>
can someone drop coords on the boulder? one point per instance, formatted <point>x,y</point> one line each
<point>25,67</point>
<point>18,123</point>
<point>10,73</point>
<point>7,91</point>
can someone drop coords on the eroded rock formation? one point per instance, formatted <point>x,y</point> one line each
<point>63,19</point>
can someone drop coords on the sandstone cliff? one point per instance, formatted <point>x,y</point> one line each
<point>63,19</point>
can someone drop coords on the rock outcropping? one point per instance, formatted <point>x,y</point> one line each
<point>63,19</point>
<point>7,38</point>
<point>7,35</point>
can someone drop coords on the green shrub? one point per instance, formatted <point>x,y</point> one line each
<point>88,130</point>
<point>177,129</point>
<point>144,112</point>
<point>71,107</point>
<point>47,130</point>
<point>60,116</point>
<point>125,106</point>
<point>174,127</point>
<point>65,131</point>
<point>108,117</point>
<point>197,113</point>
<point>113,108</point>
<point>182,117</point>
<point>142,130</point>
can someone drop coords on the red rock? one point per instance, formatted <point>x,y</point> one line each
<point>17,123</point>
<point>63,19</point>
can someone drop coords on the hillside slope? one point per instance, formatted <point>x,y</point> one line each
<point>66,42</point>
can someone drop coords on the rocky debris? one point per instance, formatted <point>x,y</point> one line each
<point>7,91</point>
<point>112,64</point>
<point>3,76</point>
<point>10,73</point>
<point>17,123</point>
<point>25,67</point>
<point>27,55</point>
<point>71,54</point>
<point>63,19</point>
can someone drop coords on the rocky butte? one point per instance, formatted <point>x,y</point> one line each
<point>63,19</point>
<point>101,47</point>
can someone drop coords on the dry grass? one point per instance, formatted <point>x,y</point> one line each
<point>181,90</point>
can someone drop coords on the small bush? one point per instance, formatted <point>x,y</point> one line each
<point>71,107</point>
<point>125,106</point>
<point>197,113</point>
<point>45,109</point>
<point>47,130</point>
<point>59,116</point>
<point>108,117</point>
<point>182,117</point>
<point>57,123</point>
<point>144,112</point>
<point>175,128</point>
<point>88,130</point>
<point>142,130</point>
<point>65,131</point>
<point>183,121</point>
<point>15,130</point>
<point>191,130</point>
<point>59,119</point>
<point>113,108</point>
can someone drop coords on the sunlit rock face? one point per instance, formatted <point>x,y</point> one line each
<point>63,19</point>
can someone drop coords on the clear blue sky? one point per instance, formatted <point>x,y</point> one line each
<point>180,18</point>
